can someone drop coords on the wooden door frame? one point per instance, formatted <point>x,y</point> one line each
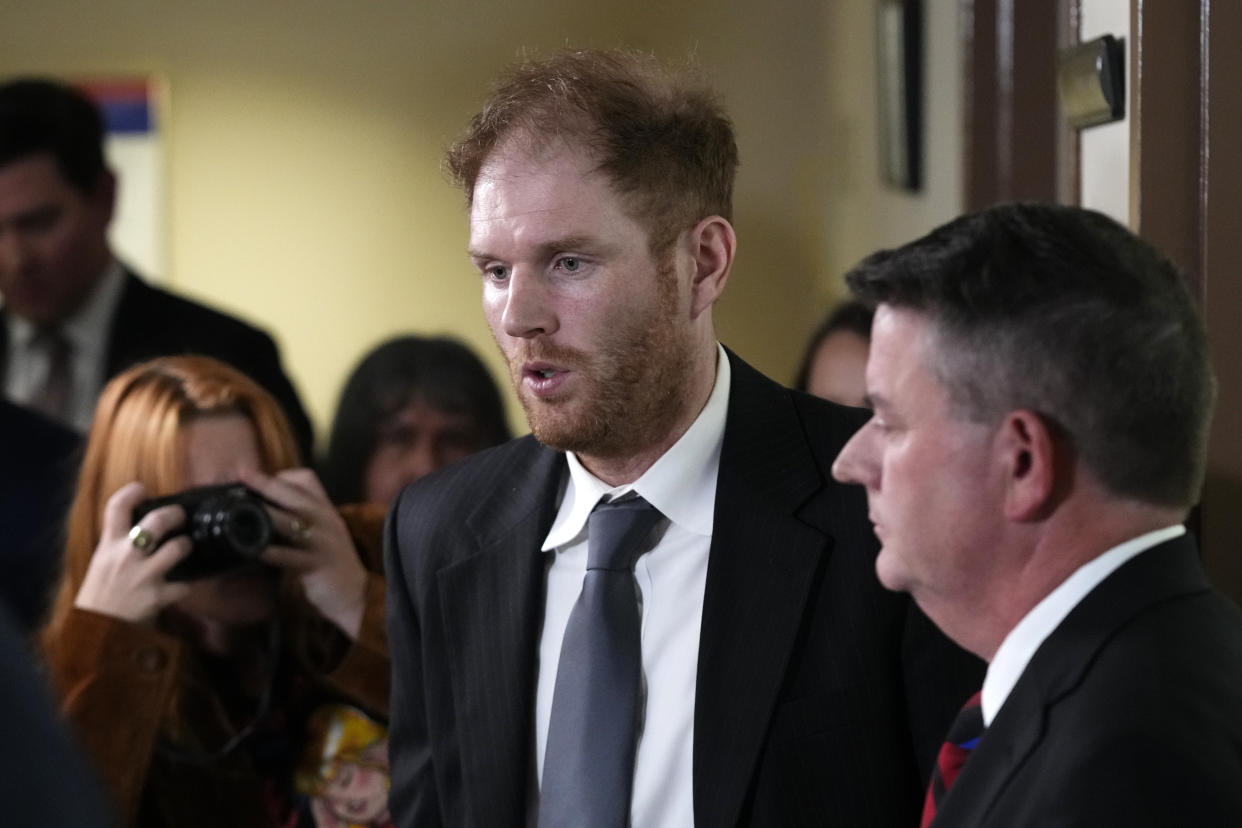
<point>1185,176</point>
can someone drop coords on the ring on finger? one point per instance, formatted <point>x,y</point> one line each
<point>299,529</point>
<point>141,539</point>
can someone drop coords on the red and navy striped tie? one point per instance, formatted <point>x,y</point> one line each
<point>963,736</point>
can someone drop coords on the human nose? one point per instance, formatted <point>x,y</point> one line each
<point>527,311</point>
<point>855,463</point>
<point>420,461</point>
<point>14,252</point>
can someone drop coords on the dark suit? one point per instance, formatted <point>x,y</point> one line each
<point>151,322</point>
<point>37,476</point>
<point>43,778</point>
<point>819,694</point>
<point>1130,713</point>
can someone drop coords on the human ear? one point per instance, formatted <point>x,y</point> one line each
<point>712,245</point>
<point>1033,466</point>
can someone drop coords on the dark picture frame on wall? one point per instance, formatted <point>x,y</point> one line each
<point>899,52</point>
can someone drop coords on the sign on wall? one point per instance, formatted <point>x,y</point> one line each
<point>131,108</point>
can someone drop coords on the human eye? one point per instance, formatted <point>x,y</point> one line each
<point>495,272</point>
<point>398,436</point>
<point>880,424</point>
<point>39,221</point>
<point>568,264</point>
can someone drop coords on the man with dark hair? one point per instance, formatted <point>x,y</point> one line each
<point>1042,392</point>
<point>658,610</point>
<point>73,316</point>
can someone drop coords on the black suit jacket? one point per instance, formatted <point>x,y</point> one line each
<point>151,322</point>
<point>1130,713</point>
<point>821,698</point>
<point>37,474</point>
<point>44,780</point>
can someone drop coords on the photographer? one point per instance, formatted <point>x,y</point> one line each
<point>192,695</point>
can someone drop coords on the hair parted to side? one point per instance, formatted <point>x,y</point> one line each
<point>138,433</point>
<point>44,116</point>
<point>662,138</point>
<point>439,371</point>
<point>1064,312</point>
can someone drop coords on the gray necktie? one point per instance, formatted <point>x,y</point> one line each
<point>588,766</point>
<point>52,398</point>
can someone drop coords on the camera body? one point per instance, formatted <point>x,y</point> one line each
<point>228,527</point>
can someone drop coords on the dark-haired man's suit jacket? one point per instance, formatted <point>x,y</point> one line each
<point>151,322</point>
<point>1130,713</point>
<point>821,698</point>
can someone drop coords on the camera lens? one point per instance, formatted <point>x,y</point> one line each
<point>232,527</point>
<point>248,528</point>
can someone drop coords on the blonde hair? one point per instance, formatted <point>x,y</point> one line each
<point>138,433</point>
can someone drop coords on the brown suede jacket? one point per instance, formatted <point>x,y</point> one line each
<point>119,683</point>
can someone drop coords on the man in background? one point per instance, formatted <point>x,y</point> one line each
<point>73,315</point>
<point>1042,393</point>
<point>658,610</point>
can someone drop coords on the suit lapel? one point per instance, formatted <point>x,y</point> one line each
<point>125,336</point>
<point>1057,669</point>
<point>759,577</point>
<point>492,607</point>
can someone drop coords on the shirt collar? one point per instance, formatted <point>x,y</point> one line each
<point>1019,646</point>
<point>86,326</point>
<point>681,483</point>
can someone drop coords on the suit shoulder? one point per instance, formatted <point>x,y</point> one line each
<point>828,422</point>
<point>500,473</point>
<point>183,313</point>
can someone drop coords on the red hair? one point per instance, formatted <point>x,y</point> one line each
<point>138,433</point>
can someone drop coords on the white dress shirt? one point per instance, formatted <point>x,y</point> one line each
<point>87,332</point>
<point>671,576</point>
<point>1024,639</point>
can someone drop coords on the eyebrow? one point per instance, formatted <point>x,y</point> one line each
<point>549,248</point>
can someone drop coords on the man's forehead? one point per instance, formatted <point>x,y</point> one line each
<point>901,339</point>
<point>517,157</point>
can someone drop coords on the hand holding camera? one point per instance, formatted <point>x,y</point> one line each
<point>127,575</point>
<point>313,542</point>
<point>150,551</point>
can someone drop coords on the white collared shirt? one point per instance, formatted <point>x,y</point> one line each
<point>672,577</point>
<point>87,331</point>
<point>1024,639</point>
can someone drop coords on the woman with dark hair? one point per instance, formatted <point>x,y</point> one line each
<point>190,688</point>
<point>413,405</point>
<point>835,362</point>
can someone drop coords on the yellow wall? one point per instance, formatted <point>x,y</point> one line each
<point>304,141</point>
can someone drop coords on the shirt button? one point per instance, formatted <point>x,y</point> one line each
<point>152,660</point>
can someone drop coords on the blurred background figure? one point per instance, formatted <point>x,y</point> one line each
<point>835,362</point>
<point>413,405</point>
<point>37,471</point>
<point>192,696</point>
<point>43,779</point>
<point>73,315</point>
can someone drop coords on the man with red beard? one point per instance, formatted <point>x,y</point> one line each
<point>735,663</point>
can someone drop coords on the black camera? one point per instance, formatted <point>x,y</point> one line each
<point>228,528</point>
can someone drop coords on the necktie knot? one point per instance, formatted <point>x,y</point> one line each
<point>53,396</point>
<point>963,735</point>
<point>617,529</point>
